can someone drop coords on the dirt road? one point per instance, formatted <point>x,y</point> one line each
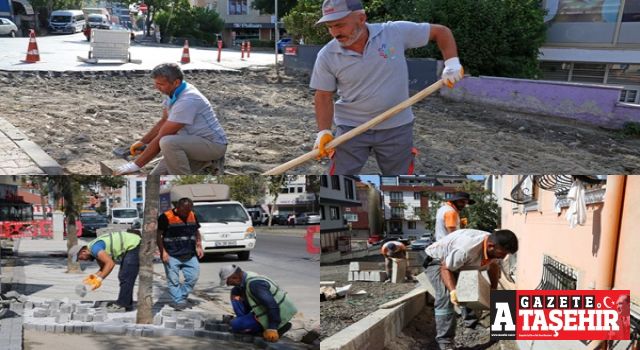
<point>78,118</point>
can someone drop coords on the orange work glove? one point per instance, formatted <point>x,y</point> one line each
<point>324,137</point>
<point>271,335</point>
<point>93,281</point>
<point>464,222</point>
<point>135,148</point>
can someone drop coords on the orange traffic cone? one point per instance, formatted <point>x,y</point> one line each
<point>33,55</point>
<point>185,53</point>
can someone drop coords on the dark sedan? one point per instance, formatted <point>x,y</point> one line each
<point>91,223</point>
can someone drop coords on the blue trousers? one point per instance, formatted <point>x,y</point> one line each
<point>190,270</point>
<point>245,320</point>
<point>129,268</point>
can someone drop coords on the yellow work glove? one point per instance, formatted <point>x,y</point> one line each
<point>452,72</point>
<point>454,297</point>
<point>134,149</point>
<point>271,335</point>
<point>323,138</point>
<point>93,281</point>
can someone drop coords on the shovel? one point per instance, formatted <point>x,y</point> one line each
<point>359,130</point>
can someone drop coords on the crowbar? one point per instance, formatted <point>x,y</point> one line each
<point>358,130</point>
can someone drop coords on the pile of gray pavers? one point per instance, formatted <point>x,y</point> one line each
<point>64,316</point>
<point>366,271</point>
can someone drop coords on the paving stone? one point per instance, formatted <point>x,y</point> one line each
<point>210,326</point>
<point>188,325</point>
<point>185,332</point>
<point>163,332</point>
<point>50,328</point>
<point>77,329</point>
<point>41,328</point>
<point>170,324</point>
<point>109,328</point>
<point>86,328</point>
<point>16,307</point>
<point>54,312</point>
<point>260,342</point>
<point>62,318</point>
<point>157,319</point>
<point>99,318</point>
<point>40,313</point>
<point>167,312</point>
<point>147,332</point>
<point>28,305</point>
<point>65,309</point>
<point>59,328</point>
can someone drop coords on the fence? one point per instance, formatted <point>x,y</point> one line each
<point>32,229</point>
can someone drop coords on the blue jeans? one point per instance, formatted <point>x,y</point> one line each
<point>129,267</point>
<point>245,320</point>
<point>190,270</point>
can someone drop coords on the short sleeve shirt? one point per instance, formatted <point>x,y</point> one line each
<point>460,250</point>
<point>370,83</point>
<point>193,110</point>
<point>446,216</point>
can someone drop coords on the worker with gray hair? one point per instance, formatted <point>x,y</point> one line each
<point>188,135</point>
<point>259,304</point>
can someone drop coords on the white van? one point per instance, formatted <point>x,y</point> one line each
<point>124,215</point>
<point>66,21</point>
<point>225,225</point>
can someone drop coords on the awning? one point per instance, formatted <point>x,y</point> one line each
<point>27,6</point>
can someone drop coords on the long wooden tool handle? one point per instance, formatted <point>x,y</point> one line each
<point>358,130</point>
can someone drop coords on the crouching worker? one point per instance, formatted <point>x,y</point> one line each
<point>259,304</point>
<point>106,250</point>
<point>394,251</point>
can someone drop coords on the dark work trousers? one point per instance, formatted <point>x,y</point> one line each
<point>129,267</point>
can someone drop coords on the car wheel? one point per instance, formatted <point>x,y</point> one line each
<point>12,34</point>
<point>244,256</point>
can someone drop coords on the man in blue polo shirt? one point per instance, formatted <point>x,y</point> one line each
<point>365,65</point>
<point>188,135</point>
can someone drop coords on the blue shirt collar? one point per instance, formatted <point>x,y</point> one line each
<point>177,92</point>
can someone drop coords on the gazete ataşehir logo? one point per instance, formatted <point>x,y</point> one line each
<point>560,314</point>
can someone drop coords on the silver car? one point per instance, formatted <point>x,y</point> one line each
<point>8,28</point>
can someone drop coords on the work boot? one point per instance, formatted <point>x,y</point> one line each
<point>116,308</point>
<point>179,306</point>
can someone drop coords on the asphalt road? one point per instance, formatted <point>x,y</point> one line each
<point>284,259</point>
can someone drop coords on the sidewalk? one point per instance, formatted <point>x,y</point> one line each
<point>54,307</point>
<point>20,156</point>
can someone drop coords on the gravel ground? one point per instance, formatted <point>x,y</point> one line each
<point>338,314</point>
<point>78,118</point>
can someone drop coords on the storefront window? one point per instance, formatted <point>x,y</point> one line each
<point>630,28</point>
<point>581,21</point>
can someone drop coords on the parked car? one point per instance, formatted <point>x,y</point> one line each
<point>91,223</point>
<point>8,28</point>
<point>276,220</point>
<point>282,43</point>
<point>308,219</point>
<point>374,239</point>
<point>421,244</point>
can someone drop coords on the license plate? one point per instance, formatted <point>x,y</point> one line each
<point>225,243</point>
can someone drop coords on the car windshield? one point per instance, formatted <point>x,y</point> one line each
<point>96,19</point>
<point>61,19</point>
<point>209,213</point>
<point>126,213</point>
<point>93,219</point>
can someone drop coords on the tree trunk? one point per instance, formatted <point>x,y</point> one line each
<point>66,186</point>
<point>147,250</point>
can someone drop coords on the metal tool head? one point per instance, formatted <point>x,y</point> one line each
<point>122,152</point>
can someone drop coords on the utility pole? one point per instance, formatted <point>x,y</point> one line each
<point>277,37</point>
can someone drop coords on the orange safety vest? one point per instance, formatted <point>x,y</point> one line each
<point>180,237</point>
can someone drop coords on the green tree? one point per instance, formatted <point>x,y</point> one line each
<point>312,185</point>
<point>485,213</point>
<point>147,249</point>
<point>275,184</point>
<point>268,6</point>
<point>246,189</point>
<point>194,179</point>
<point>301,22</point>
<point>182,20</point>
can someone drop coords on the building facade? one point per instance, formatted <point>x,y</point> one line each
<point>406,200</point>
<point>337,192</point>
<point>292,199</point>
<point>242,22</point>
<point>367,217</point>
<point>594,42</point>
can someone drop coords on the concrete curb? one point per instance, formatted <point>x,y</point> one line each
<point>37,155</point>
<point>377,330</point>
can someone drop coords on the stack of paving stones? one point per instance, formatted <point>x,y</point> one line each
<point>62,316</point>
<point>366,271</point>
<point>414,263</point>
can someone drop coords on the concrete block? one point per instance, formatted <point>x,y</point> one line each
<point>163,332</point>
<point>198,323</point>
<point>50,328</point>
<point>59,328</point>
<point>109,329</point>
<point>167,311</point>
<point>99,318</point>
<point>210,326</point>
<point>399,270</point>
<point>54,312</point>
<point>68,328</point>
<point>16,307</point>
<point>157,319</point>
<point>473,289</point>
<point>77,329</point>
<point>41,328</point>
<point>170,324</point>
<point>147,332</point>
<point>65,309</point>
<point>29,326</point>
<point>40,313</point>
<point>350,276</point>
<point>86,328</point>
<point>260,342</point>
<point>188,325</point>
<point>185,332</point>
<point>28,305</point>
<point>62,318</point>
<point>363,266</point>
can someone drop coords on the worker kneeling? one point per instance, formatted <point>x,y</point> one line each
<point>259,304</point>
<point>189,134</point>
<point>106,250</point>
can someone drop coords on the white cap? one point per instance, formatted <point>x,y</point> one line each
<point>226,272</point>
<point>73,252</point>
<point>333,10</point>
